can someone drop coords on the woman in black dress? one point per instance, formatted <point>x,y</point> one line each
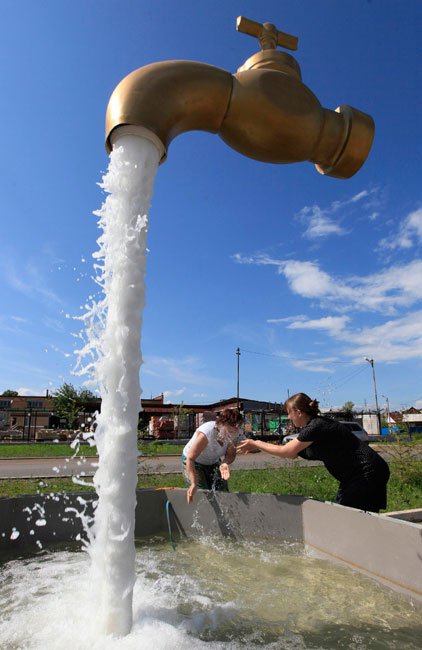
<point>361,472</point>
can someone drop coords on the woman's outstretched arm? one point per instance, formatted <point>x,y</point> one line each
<point>289,450</point>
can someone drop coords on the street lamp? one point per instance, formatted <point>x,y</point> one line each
<point>371,362</point>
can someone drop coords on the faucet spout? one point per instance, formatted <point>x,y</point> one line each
<point>263,111</point>
<point>168,98</point>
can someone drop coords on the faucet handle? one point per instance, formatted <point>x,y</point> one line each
<point>267,34</point>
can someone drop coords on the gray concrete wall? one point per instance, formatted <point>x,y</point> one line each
<point>389,550</point>
<point>21,514</point>
<point>239,516</point>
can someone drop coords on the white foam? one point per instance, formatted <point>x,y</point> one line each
<point>112,356</point>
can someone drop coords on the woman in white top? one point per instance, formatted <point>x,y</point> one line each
<point>201,457</point>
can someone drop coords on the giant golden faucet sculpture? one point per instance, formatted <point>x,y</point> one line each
<point>264,111</point>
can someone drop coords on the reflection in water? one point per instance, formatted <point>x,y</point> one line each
<point>208,595</point>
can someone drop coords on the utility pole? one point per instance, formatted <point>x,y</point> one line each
<point>388,413</point>
<point>371,362</point>
<point>238,376</point>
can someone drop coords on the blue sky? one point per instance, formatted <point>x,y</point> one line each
<point>306,274</point>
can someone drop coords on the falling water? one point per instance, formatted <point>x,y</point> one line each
<point>113,330</point>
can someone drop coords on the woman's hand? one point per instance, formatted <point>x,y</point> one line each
<point>191,491</point>
<point>246,446</point>
<point>225,471</point>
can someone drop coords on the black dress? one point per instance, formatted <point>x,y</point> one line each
<point>362,473</point>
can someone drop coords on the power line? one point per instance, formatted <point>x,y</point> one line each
<point>347,378</point>
<point>331,386</point>
<point>280,356</point>
<point>416,399</point>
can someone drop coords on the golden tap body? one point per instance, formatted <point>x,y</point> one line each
<point>263,111</point>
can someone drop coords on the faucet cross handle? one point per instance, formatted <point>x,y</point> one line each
<point>267,34</point>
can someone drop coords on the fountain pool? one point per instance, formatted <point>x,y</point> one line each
<point>210,593</point>
<point>256,571</point>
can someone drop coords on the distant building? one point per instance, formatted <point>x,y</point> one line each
<point>412,418</point>
<point>25,416</point>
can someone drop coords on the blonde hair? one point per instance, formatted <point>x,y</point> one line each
<point>302,402</point>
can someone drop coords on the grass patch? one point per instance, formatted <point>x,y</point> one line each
<point>303,481</point>
<point>64,450</point>
<point>21,487</point>
<point>156,448</point>
<point>44,449</point>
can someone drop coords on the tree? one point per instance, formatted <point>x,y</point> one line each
<point>347,409</point>
<point>9,393</point>
<point>68,402</point>
<point>180,418</point>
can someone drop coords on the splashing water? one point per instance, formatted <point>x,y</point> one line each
<point>213,594</point>
<point>112,357</point>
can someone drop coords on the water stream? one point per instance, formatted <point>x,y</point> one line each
<point>112,357</point>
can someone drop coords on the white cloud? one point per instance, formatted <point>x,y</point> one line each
<point>386,291</point>
<point>359,196</point>
<point>170,395</point>
<point>287,319</point>
<point>307,279</point>
<point>187,371</point>
<point>24,391</point>
<point>325,221</point>
<point>259,259</point>
<point>394,340</point>
<point>313,365</point>
<point>319,224</point>
<point>408,234</point>
<point>331,324</point>
<point>28,280</point>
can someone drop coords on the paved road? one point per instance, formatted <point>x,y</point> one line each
<point>50,467</point>
<point>55,467</point>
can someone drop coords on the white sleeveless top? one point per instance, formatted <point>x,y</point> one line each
<point>213,451</point>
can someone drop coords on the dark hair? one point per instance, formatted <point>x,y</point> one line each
<point>302,402</point>
<point>233,417</point>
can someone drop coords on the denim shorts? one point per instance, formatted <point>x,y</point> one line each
<point>209,477</point>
